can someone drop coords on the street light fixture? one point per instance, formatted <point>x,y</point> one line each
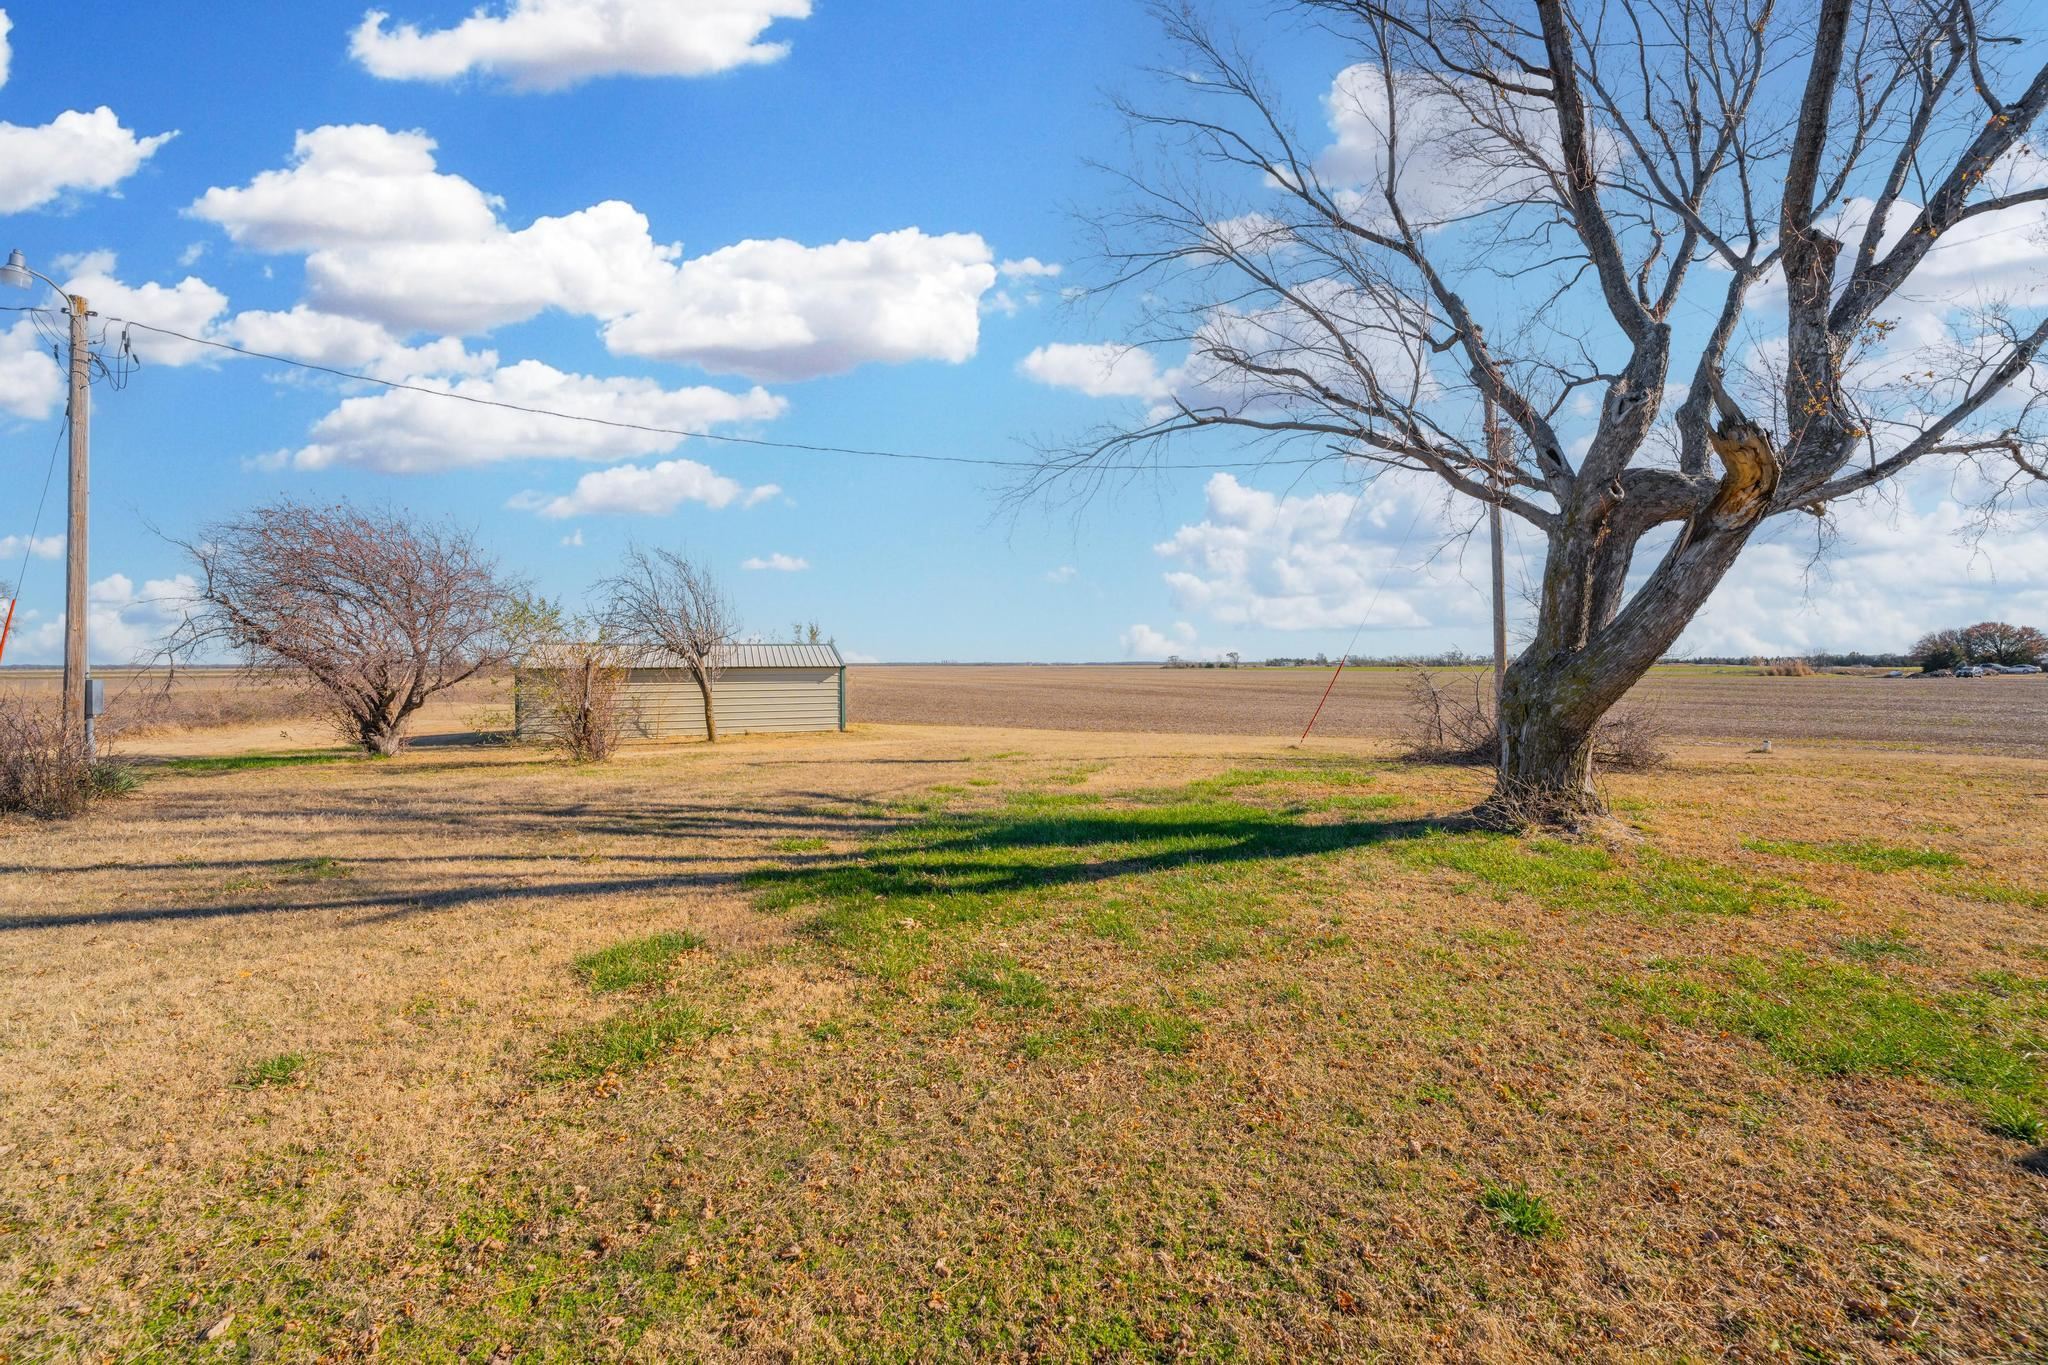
<point>77,718</point>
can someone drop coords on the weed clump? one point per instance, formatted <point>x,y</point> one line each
<point>1520,1212</point>
<point>45,772</point>
<point>282,1069</point>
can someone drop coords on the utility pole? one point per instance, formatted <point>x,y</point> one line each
<point>75,724</point>
<point>76,719</point>
<point>1496,454</point>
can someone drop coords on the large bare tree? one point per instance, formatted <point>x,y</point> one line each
<point>377,609</point>
<point>1698,223</point>
<point>668,605</point>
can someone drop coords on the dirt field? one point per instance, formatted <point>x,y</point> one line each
<point>945,1042</point>
<point>1980,715</point>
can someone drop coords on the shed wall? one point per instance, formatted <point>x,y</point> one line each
<point>667,703</point>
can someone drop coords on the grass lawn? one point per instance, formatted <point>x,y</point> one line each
<point>926,1043</point>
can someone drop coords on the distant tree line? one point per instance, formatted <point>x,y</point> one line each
<point>1987,642</point>
<point>1819,659</point>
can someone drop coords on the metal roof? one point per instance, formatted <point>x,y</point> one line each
<point>750,655</point>
<point>778,656</point>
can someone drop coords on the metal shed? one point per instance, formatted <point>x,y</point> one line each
<point>759,687</point>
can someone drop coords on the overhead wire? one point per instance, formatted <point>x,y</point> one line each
<point>531,410</point>
<point>29,549</point>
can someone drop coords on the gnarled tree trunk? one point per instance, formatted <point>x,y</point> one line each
<point>1590,650</point>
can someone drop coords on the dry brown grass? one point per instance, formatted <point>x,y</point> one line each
<point>278,1041</point>
<point>154,704</point>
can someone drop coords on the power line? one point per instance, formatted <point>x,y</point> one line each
<point>762,442</point>
<point>29,549</point>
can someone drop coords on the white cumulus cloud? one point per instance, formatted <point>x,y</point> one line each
<point>74,151</point>
<point>1304,561</point>
<point>554,44</point>
<point>405,432</point>
<point>6,53</point>
<point>1898,568</point>
<point>779,562</point>
<point>393,240</point>
<point>31,381</point>
<point>781,310</point>
<point>1144,642</point>
<point>651,490</point>
<point>124,623</point>
<point>1098,369</point>
<point>42,547</point>
<point>351,185</point>
<point>346,343</point>
<point>191,306</point>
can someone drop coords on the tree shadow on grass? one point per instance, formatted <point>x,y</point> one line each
<point>999,853</point>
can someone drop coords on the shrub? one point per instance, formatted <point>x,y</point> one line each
<point>46,774</point>
<point>1783,668</point>
<point>571,686</point>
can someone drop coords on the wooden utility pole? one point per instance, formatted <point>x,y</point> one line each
<point>1496,454</point>
<point>76,723</point>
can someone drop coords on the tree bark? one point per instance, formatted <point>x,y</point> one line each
<point>710,718</point>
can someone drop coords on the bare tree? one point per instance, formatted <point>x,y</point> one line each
<point>1532,192</point>
<point>571,690</point>
<point>662,602</point>
<point>378,610</point>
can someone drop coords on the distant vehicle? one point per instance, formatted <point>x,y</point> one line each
<point>1896,673</point>
<point>1969,671</point>
<point>2023,668</point>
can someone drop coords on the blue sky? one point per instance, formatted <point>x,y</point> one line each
<point>872,205</point>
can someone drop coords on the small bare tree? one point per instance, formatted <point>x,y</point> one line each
<point>571,690</point>
<point>377,609</point>
<point>661,602</point>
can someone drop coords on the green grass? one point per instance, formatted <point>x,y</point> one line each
<point>282,1069</point>
<point>634,962</point>
<point>1568,876</point>
<point>2014,1118</point>
<point>1520,1212</point>
<point>1831,1019</point>
<point>1003,983</point>
<point>801,844</point>
<point>1877,947</point>
<point>1203,861</point>
<point>2002,893</point>
<point>241,763</point>
<point>1868,855</point>
<point>1166,1031</point>
<point>625,1041</point>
